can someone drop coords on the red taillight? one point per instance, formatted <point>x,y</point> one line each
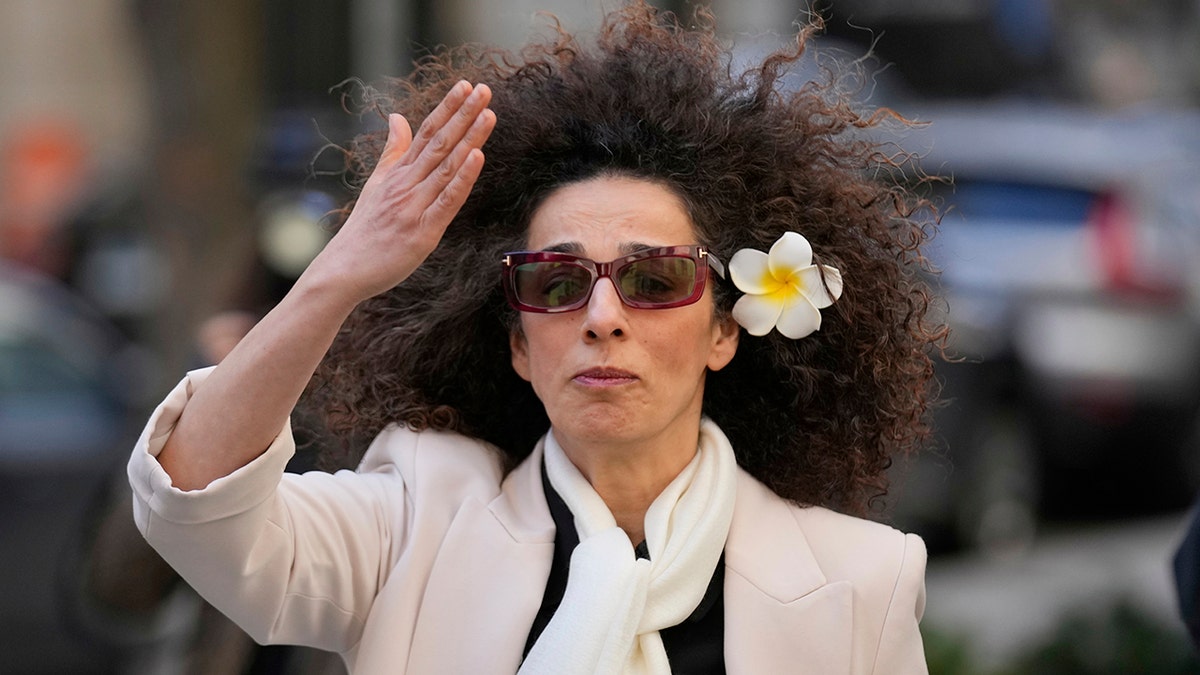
<point>1115,228</point>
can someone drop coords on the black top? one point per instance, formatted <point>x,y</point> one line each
<point>694,647</point>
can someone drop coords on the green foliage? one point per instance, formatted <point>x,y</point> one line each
<point>948,654</point>
<point>1116,639</point>
<point>1120,641</point>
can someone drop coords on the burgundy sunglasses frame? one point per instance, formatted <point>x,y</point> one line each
<point>697,253</point>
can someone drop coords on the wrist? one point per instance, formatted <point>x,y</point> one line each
<point>322,288</point>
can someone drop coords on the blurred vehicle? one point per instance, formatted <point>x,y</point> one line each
<point>68,394</point>
<point>1068,253</point>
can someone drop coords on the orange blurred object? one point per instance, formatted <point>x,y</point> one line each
<point>43,178</point>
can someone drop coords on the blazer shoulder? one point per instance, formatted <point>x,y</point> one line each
<point>819,522</point>
<point>843,547</point>
<point>860,550</point>
<point>438,462</point>
<point>886,568</point>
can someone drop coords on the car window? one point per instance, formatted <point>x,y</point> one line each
<point>1012,201</point>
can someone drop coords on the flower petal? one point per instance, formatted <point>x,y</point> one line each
<point>790,253</point>
<point>758,313</point>
<point>751,274</point>
<point>812,287</point>
<point>798,319</point>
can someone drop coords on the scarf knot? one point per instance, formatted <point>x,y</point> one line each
<point>615,604</point>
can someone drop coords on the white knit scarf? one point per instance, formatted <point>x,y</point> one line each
<point>615,604</point>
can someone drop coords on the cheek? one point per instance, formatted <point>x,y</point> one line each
<point>535,348</point>
<point>687,346</point>
<point>518,345</point>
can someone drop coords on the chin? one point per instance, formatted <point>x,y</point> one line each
<point>596,424</point>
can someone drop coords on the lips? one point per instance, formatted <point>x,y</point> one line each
<point>604,377</point>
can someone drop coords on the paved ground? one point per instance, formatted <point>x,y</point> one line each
<point>1006,605</point>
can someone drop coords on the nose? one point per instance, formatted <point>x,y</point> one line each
<point>605,315</point>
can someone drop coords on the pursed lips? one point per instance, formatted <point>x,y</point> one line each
<point>604,377</point>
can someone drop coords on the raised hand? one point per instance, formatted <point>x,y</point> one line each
<point>412,195</point>
<point>401,214</point>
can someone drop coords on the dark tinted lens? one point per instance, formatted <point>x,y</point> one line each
<point>551,284</point>
<point>658,280</point>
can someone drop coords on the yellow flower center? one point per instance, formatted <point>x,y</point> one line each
<point>784,290</point>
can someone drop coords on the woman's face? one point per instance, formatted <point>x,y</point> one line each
<point>607,372</point>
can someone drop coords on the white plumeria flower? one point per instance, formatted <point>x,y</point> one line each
<point>783,288</point>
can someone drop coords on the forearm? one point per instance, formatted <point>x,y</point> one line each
<point>240,408</point>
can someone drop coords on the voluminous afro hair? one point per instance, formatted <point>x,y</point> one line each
<point>818,419</point>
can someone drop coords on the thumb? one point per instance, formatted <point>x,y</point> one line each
<point>399,138</point>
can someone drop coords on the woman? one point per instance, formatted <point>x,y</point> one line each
<point>631,269</point>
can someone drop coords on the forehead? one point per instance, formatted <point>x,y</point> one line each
<point>608,215</point>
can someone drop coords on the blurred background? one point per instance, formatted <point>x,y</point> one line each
<point>162,182</point>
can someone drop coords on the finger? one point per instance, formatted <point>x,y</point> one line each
<point>449,167</point>
<point>478,133</point>
<point>442,114</point>
<point>452,132</point>
<point>398,141</point>
<point>454,195</point>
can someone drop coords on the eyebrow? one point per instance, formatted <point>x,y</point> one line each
<point>575,248</point>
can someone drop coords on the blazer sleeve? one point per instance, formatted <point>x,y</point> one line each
<point>901,650</point>
<point>291,559</point>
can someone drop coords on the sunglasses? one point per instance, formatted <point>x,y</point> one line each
<point>658,278</point>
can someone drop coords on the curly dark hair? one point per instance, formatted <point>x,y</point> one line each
<point>817,420</point>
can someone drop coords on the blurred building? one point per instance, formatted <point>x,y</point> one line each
<point>79,63</point>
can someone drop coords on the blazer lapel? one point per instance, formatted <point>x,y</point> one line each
<point>488,581</point>
<point>780,614</point>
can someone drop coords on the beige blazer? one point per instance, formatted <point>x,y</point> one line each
<point>428,560</point>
